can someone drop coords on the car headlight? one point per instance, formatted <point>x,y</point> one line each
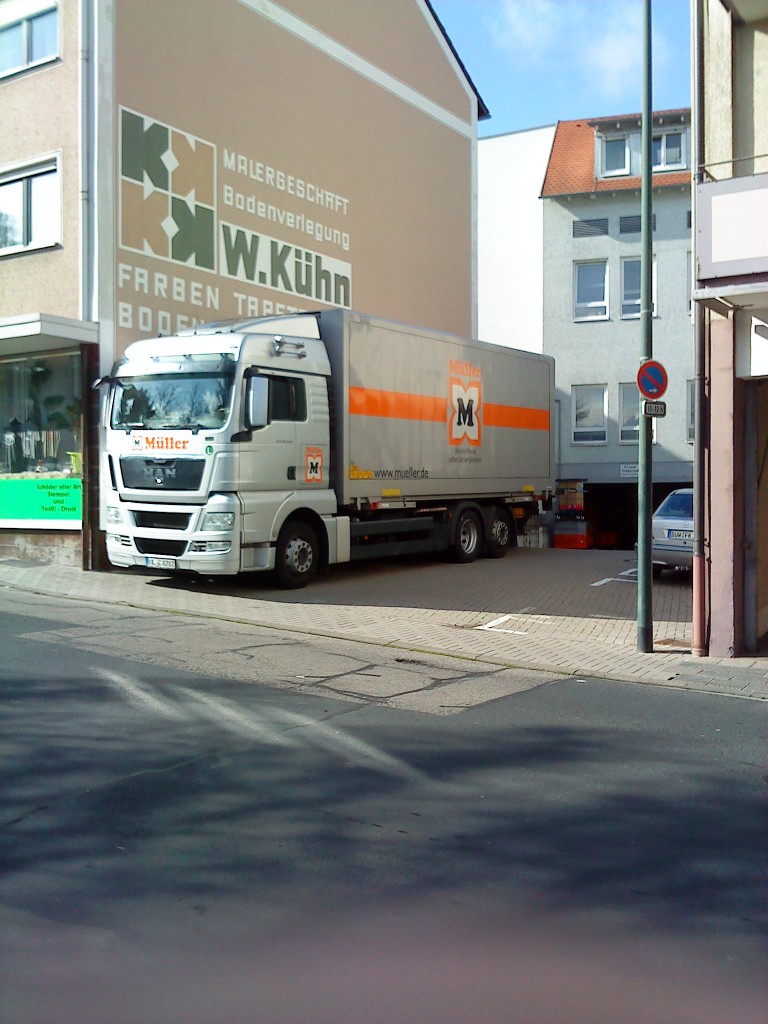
<point>219,520</point>
<point>114,515</point>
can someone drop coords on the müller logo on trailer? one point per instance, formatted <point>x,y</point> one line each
<point>465,395</point>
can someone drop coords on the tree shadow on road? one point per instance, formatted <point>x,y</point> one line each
<point>318,806</point>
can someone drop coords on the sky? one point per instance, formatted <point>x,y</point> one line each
<point>535,62</point>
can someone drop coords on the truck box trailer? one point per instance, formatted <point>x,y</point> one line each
<point>295,442</point>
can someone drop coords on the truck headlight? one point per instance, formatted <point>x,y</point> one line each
<point>218,520</point>
<point>114,515</point>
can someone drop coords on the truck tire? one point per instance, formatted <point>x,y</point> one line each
<point>499,534</point>
<point>297,555</point>
<point>468,538</point>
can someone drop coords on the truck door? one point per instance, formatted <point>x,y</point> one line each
<point>275,445</point>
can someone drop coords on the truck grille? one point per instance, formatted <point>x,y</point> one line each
<point>161,520</point>
<point>145,474</point>
<point>150,546</point>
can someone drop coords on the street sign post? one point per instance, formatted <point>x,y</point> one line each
<point>652,379</point>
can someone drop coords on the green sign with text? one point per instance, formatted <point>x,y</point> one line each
<point>45,502</point>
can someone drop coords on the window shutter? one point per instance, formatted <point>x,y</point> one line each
<point>585,228</point>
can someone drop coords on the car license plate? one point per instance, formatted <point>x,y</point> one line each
<point>161,563</point>
<point>680,534</point>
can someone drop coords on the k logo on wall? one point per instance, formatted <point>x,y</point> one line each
<point>167,192</point>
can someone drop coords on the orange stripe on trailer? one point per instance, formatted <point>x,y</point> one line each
<point>397,405</point>
<point>514,416</point>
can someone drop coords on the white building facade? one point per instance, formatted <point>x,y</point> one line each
<point>591,310</point>
<point>510,231</point>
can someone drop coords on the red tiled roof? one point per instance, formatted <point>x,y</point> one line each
<point>571,167</point>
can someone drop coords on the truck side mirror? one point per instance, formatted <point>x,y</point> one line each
<point>257,406</point>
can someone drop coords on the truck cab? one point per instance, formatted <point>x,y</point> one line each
<point>213,439</point>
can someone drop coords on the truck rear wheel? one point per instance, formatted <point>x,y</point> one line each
<point>468,537</point>
<point>499,534</point>
<point>297,556</point>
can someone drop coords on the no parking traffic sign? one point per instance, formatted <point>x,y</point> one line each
<point>652,379</point>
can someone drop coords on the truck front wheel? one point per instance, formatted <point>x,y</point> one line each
<point>468,537</point>
<point>297,556</point>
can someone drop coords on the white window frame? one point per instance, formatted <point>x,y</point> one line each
<point>690,411</point>
<point>17,14</point>
<point>636,315</point>
<point>663,165</point>
<point>583,310</point>
<point>25,175</point>
<point>576,431</point>
<point>618,171</point>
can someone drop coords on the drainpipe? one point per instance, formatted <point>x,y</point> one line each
<point>699,646</point>
<point>86,161</point>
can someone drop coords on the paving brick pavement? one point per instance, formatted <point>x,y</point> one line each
<point>568,612</point>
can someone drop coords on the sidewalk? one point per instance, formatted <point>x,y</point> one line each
<point>565,612</point>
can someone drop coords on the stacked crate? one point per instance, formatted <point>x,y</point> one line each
<point>572,528</point>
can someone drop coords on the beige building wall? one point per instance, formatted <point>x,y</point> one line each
<point>750,96</point>
<point>40,117</point>
<point>332,144</point>
<point>735,59</point>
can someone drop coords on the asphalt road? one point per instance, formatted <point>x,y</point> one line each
<point>182,846</point>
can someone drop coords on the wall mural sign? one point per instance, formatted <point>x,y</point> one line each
<point>201,227</point>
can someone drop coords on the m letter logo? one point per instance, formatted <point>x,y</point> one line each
<point>313,465</point>
<point>167,192</point>
<point>465,400</point>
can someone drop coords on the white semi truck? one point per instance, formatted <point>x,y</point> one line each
<point>291,443</point>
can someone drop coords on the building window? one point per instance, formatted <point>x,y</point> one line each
<point>589,403</point>
<point>629,413</point>
<point>590,286</point>
<point>630,287</point>
<point>689,271</point>
<point>615,156</point>
<point>30,214</point>
<point>586,228</point>
<point>691,410</point>
<point>669,151</point>
<point>29,41</point>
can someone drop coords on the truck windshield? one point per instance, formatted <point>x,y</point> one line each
<point>173,401</point>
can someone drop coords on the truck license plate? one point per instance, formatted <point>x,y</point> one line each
<point>161,563</point>
<point>680,534</point>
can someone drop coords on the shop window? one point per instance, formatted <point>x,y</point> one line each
<point>29,41</point>
<point>42,434</point>
<point>30,207</point>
